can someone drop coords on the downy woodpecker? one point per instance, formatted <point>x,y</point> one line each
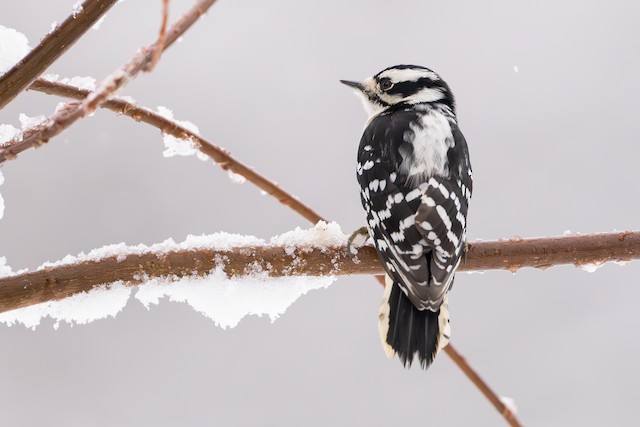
<point>415,178</point>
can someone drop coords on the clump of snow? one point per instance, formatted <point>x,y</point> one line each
<point>510,403</point>
<point>219,241</point>
<point>591,267</point>
<point>2,259</point>
<point>227,301</point>
<point>53,27</point>
<point>77,9</point>
<point>176,146</point>
<point>8,132</point>
<point>81,82</point>
<point>82,308</point>
<point>516,69</point>
<point>31,122</point>
<point>13,47</point>
<point>126,98</point>
<point>5,270</point>
<point>236,178</point>
<point>323,235</point>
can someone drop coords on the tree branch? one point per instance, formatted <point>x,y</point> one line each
<point>54,283</point>
<point>161,38</point>
<point>461,363</point>
<point>52,46</point>
<point>57,122</point>
<point>219,155</point>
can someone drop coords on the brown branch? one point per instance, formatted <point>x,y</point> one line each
<point>57,122</point>
<point>221,156</point>
<point>162,37</point>
<point>464,366</point>
<point>58,282</point>
<point>52,46</point>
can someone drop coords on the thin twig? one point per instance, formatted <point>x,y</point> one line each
<point>57,122</point>
<point>52,46</point>
<point>464,366</point>
<point>222,157</point>
<point>161,37</point>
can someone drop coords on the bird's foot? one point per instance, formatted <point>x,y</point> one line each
<point>357,239</point>
<point>465,251</point>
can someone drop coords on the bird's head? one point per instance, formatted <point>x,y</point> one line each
<point>402,85</point>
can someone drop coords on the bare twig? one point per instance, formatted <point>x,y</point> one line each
<point>61,281</point>
<point>62,120</point>
<point>218,154</point>
<point>50,48</point>
<point>161,37</point>
<point>461,363</point>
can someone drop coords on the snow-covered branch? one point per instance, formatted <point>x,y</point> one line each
<point>318,252</point>
<point>171,127</point>
<point>52,46</point>
<point>62,119</point>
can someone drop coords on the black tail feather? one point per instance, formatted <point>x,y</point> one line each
<point>407,331</point>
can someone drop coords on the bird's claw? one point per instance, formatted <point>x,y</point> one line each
<point>360,232</point>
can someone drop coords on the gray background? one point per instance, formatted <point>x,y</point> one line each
<point>554,147</point>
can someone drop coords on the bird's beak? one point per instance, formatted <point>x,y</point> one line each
<point>355,85</point>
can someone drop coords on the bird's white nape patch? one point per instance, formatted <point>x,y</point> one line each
<point>425,95</point>
<point>383,318</point>
<point>432,139</point>
<point>397,75</point>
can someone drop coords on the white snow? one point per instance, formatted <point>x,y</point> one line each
<point>2,260</point>
<point>176,146</point>
<point>219,241</point>
<point>53,27</point>
<point>6,270</point>
<point>323,235</point>
<point>591,267</point>
<point>77,9</point>
<point>510,403</point>
<point>82,308</point>
<point>13,47</point>
<point>236,178</point>
<point>8,132</point>
<point>226,301</point>
<point>126,98</point>
<point>515,69</point>
<point>30,122</point>
<point>81,82</point>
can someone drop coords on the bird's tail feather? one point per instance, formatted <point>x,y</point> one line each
<point>406,331</point>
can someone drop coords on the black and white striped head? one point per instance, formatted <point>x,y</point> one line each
<point>402,85</point>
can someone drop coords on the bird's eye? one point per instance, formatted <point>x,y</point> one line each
<point>385,84</point>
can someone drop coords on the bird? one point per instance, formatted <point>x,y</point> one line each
<point>415,186</point>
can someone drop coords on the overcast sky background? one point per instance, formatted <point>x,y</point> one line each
<point>554,147</point>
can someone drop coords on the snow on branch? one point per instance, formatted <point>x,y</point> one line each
<point>52,46</point>
<point>320,251</point>
<point>64,118</point>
